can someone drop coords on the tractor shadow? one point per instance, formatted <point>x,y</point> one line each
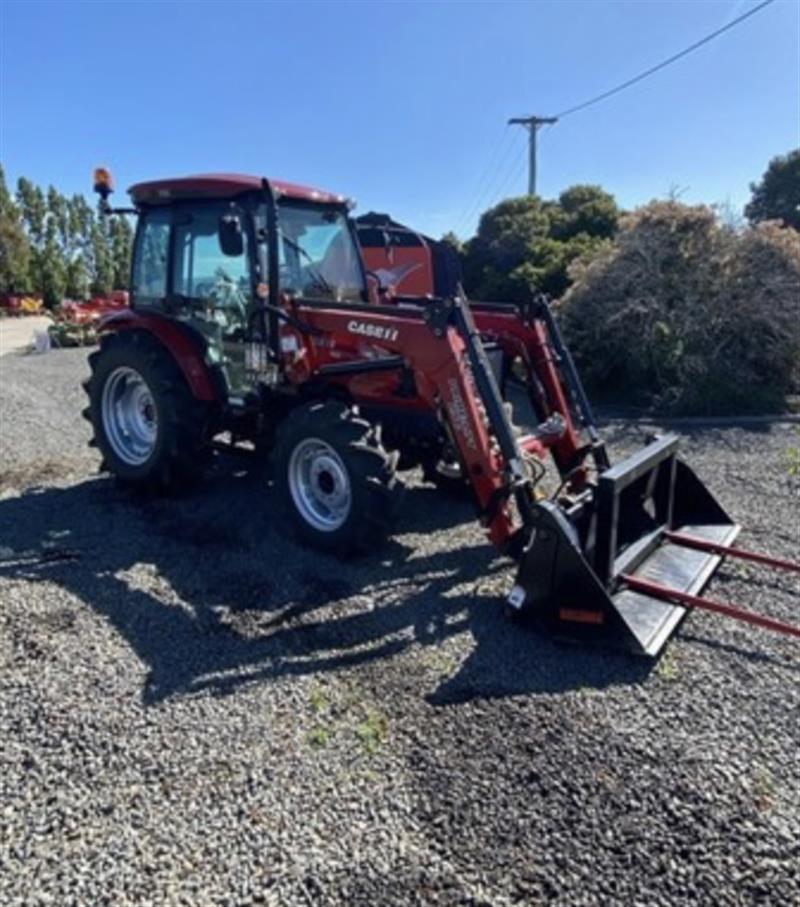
<point>210,592</point>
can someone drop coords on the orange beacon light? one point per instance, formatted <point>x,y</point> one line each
<point>103,182</point>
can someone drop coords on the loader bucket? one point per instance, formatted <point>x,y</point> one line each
<point>571,572</point>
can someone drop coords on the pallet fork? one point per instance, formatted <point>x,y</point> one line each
<point>627,564</point>
<point>650,588</point>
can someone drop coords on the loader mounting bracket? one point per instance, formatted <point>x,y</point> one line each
<point>438,315</point>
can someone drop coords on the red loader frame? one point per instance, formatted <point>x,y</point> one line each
<point>605,561</point>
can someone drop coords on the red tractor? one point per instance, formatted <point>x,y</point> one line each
<point>252,314</point>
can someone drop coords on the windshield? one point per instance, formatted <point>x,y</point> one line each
<point>317,254</point>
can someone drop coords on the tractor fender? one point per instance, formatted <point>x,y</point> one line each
<point>178,340</point>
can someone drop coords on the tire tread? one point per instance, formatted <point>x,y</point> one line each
<point>372,470</point>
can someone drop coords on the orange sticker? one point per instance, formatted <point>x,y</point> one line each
<point>578,616</point>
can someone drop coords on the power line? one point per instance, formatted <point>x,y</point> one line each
<point>499,168</point>
<point>513,172</point>
<point>657,67</point>
<point>594,100</point>
<point>502,168</point>
<point>466,212</point>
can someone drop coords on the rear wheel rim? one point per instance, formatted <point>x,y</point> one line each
<point>130,418</point>
<point>320,485</point>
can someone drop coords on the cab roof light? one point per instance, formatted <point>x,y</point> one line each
<point>103,182</point>
<point>104,186</point>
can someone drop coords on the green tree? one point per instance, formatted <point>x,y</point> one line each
<point>58,216</point>
<point>507,231</point>
<point>58,250</point>
<point>506,237</point>
<point>14,247</point>
<point>52,268</point>
<point>33,208</point>
<point>32,204</point>
<point>585,209</point>
<point>77,278</point>
<point>59,246</point>
<point>81,269</point>
<point>777,195</point>
<point>102,276</point>
<point>551,259</point>
<point>450,239</point>
<point>52,254</point>
<point>525,245</point>
<point>121,237</point>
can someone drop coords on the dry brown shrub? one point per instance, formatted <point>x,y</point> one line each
<point>688,315</point>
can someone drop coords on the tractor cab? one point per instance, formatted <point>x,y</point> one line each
<point>220,252</point>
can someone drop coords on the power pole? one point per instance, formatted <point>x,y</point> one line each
<point>532,124</point>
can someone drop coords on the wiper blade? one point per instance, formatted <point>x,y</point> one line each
<point>312,271</point>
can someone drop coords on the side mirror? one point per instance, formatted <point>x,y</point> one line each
<point>231,238</point>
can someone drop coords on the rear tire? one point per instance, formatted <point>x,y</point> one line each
<point>148,427</point>
<point>336,481</point>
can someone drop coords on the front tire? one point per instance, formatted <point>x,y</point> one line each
<point>336,480</point>
<point>148,427</point>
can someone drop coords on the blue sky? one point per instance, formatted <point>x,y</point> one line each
<point>400,105</point>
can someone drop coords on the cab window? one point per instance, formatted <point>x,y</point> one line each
<point>317,254</point>
<point>150,258</point>
<point>201,270</point>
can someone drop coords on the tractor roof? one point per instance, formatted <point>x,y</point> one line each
<point>223,185</point>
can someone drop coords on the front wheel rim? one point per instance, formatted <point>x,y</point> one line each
<point>320,485</point>
<point>130,418</point>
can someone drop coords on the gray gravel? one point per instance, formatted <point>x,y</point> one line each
<point>196,711</point>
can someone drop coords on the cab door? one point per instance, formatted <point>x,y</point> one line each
<point>210,287</point>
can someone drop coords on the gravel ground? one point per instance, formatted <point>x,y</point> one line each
<point>17,333</point>
<point>196,711</point>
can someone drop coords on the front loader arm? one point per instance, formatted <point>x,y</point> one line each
<point>440,345</point>
<point>528,334</point>
<point>622,559</point>
<point>522,334</point>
